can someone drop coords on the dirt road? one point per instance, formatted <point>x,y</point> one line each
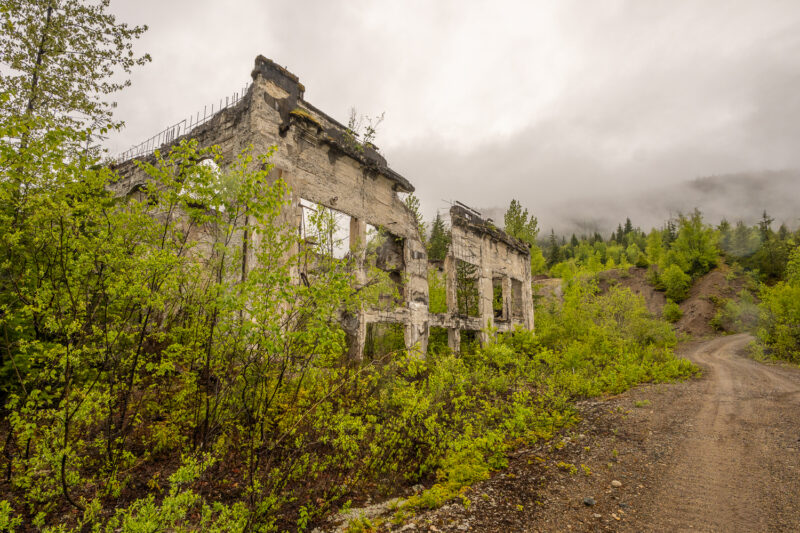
<point>737,468</point>
<point>719,453</point>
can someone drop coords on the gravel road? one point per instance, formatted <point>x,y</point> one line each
<point>737,467</point>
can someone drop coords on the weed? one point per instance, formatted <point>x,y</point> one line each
<point>567,467</point>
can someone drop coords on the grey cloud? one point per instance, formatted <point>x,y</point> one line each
<point>577,109</point>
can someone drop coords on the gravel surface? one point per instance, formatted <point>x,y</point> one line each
<point>718,453</point>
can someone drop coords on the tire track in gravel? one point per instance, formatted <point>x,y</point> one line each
<point>730,472</point>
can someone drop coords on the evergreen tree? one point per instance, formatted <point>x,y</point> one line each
<point>554,254</point>
<point>765,226</point>
<point>439,239</point>
<point>725,235</point>
<point>783,233</point>
<point>744,241</point>
<point>628,226</point>
<point>671,232</point>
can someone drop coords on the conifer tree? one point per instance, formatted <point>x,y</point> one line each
<point>439,239</point>
<point>554,254</point>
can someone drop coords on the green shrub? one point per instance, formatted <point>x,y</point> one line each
<point>737,315</point>
<point>778,329</point>
<point>779,321</point>
<point>672,311</point>
<point>676,283</point>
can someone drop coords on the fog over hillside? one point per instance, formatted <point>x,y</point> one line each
<point>742,196</point>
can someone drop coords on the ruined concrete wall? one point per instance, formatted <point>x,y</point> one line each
<point>323,164</point>
<point>496,256</point>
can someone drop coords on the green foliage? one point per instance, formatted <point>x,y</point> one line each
<point>676,283</point>
<point>793,267</point>
<point>361,131</point>
<point>467,294</point>
<point>567,467</point>
<point>437,291</point>
<point>64,57</point>
<point>439,240</point>
<point>359,524</point>
<point>737,315</point>
<point>672,311</point>
<point>519,224</point>
<point>412,203</point>
<point>695,247</point>
<point>554,252</point>
<point>538,262</point>
<point>8,522</point>
<point>778,330</point>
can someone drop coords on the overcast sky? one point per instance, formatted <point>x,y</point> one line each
<point>488,101</point>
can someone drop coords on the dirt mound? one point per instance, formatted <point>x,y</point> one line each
<point>545,288</point>
<point>635,279</point>
<point>700,307</point>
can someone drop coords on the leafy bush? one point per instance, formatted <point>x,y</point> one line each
<point>737,315</point>
<point>672,311</point>
<point>779,318</point>
<point>676,283</point>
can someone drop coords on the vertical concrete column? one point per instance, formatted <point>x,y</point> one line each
<point>485,291</point>
<point>358,246</point>
<point>454,339</point>
<point>527,299</point>
<point>451,284</point>
<point>416,335</point>
<point>357,330</point>
<point>417,327</point>
<point>506,297</point>
<point>485,310</point>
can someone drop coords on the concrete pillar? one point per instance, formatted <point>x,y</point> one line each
<point>454,339</point>
<point>358,246</point>
<point>485,291</point>
<point>416,333</point>
<point>451,284</point>
<point>527,300</point>
<point>506,298</point>
<point>485,310</point>
<point>356,329</point>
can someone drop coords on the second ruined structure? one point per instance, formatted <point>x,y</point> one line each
<point>487,272</point>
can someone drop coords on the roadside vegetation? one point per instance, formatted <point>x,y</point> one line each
<point>764,263</point>
<point>149,384</point>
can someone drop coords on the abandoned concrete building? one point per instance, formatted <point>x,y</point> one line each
<point>487,272</point>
